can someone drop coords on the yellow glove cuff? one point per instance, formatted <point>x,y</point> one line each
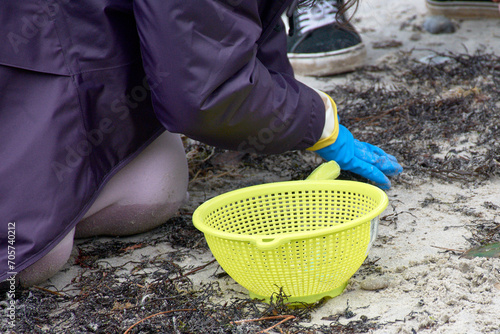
<point>331,115</point>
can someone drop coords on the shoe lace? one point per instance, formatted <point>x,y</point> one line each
<point>322,13</point>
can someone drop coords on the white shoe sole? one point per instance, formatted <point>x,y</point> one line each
<point>328,63</point>
<point>464,9</point>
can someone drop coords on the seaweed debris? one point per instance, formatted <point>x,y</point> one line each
<point>440,120</point>
<point>155,296</point>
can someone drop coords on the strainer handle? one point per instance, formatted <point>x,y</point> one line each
<point>326,171</point>
<point>270,243</point>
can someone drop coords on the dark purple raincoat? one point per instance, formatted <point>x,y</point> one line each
<point>85,85</point>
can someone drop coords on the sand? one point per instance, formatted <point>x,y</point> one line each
<point>421,286</point>
<point>425,288</point>
<point>430,290</point>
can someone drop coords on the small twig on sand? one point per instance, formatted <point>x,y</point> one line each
<point>49,291</point>
<point>284,317</point>
<point>154,315</point>
<point>195,270</point>
<point>449,249</point>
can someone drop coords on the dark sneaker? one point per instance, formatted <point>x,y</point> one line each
<point>464,9</point>
<point>321,45</point>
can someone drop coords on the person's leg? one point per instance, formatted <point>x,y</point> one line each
<point>140,197</point>
<point>323,43</point>
<point>143,195</point>
<point>48,265</point>
<point>464,9</point>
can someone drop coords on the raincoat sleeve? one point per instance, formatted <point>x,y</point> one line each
<point>220,76</point>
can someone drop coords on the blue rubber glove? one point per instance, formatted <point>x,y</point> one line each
<point>361,158</point>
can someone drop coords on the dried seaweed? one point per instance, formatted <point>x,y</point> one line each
<point>441,121</point>
<point>155,294</point>
<point>164,301</point>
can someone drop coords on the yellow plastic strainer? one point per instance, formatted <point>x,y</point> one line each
<point>304,237</point>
